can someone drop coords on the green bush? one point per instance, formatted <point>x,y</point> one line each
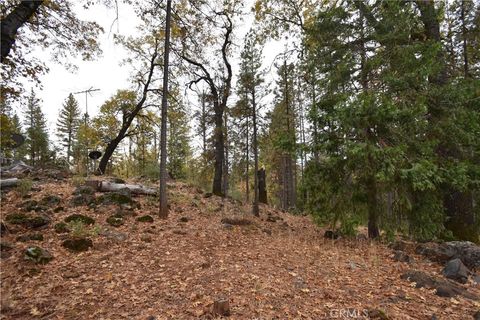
<point>24,186</point>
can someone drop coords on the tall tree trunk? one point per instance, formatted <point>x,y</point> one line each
<point>225,160</point>
<point>247,163</point>
<point>219,151</point>
<point>13,21</point>
<point>255,209</point>
<point>163,134</point>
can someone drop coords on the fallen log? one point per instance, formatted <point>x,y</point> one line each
<point>7,183</point>
<point>105,186</point>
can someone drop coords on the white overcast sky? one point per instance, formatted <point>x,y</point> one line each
<point>106,73</point>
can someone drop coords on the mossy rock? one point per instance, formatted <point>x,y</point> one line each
<point>82,200</point>
<point>50,200</point>
<point>29,205</point>
<point>17,218</point>
<point>145,218</point>
<point>80,217</point>
<point>78,244</point>
<point>38,255</point>
<point>37,221</point>
<point>61,227</point>
<point>119,198</point>
<point>115,220</point>
<point>30,237</point>
<point>85,190</point>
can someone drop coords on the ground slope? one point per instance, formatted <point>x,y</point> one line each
<point>177,268</point>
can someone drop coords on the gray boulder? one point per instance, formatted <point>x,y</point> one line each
<point>456,270</point>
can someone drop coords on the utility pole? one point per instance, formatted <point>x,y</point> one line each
<point>87,92</point>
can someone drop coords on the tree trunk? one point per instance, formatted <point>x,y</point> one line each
<point>13,21</point>
<point>219,151</point>
<point>262,186</point>
<point>247,162</point>
<point>255,209</point>
<point>163,135</point>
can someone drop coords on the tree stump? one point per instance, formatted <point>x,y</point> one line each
<point>221,307</point>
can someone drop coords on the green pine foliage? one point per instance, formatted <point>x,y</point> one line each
<point>68,122</point>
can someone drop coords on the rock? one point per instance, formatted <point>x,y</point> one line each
<point>118,180</point>
<point>184,219</point>
<point>37,255</point>
<point>234,221</point>
<point>78,244</point>
<point>50,200</point>
<point>466,251</point>
<point>80,218</point>
<point>16,218</point>
<point>329,234</point>
<point>82,200</point>
<point>29,205</point>
<point>37,221</point>
<point>30,237</point>
<point>61,227</point>
<point>221,307</point>
<point>400,245</point>
<point>435,252</point>
<point>84,190</point>
<point>113,235</point>
<point>443,288</point>
<point>401,256</point>
<point>115,220</point>
<point>146,238</point>
<point>120,197</point>
<point>145,218</point>
<point>456,270</point>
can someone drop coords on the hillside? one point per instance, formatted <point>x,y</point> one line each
<point>277,266</point>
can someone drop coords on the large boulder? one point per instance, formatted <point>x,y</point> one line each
<point>120,197</point>
<point>456,270</point>
<point>443,288</point>
<point>467,252</point>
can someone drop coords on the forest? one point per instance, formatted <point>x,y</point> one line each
<point>341,132</point>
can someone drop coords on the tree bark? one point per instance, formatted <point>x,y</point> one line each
<point>163,134</point>
<point>255,209</point>
<point>13,21</point>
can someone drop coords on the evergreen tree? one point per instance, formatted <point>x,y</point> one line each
<point>36,131</point>
<point>67,124</point>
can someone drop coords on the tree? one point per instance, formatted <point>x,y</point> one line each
<point>250,79</point>
<point>67,124</point>
<point>178,144</point>
<point>50,25</point>
<point>128,107</point>
<point>195,51</point>
<point>36,130</point>
<point>163,131</point>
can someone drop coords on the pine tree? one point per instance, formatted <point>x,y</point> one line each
<point>36,131</point>
<point>68,123</point>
